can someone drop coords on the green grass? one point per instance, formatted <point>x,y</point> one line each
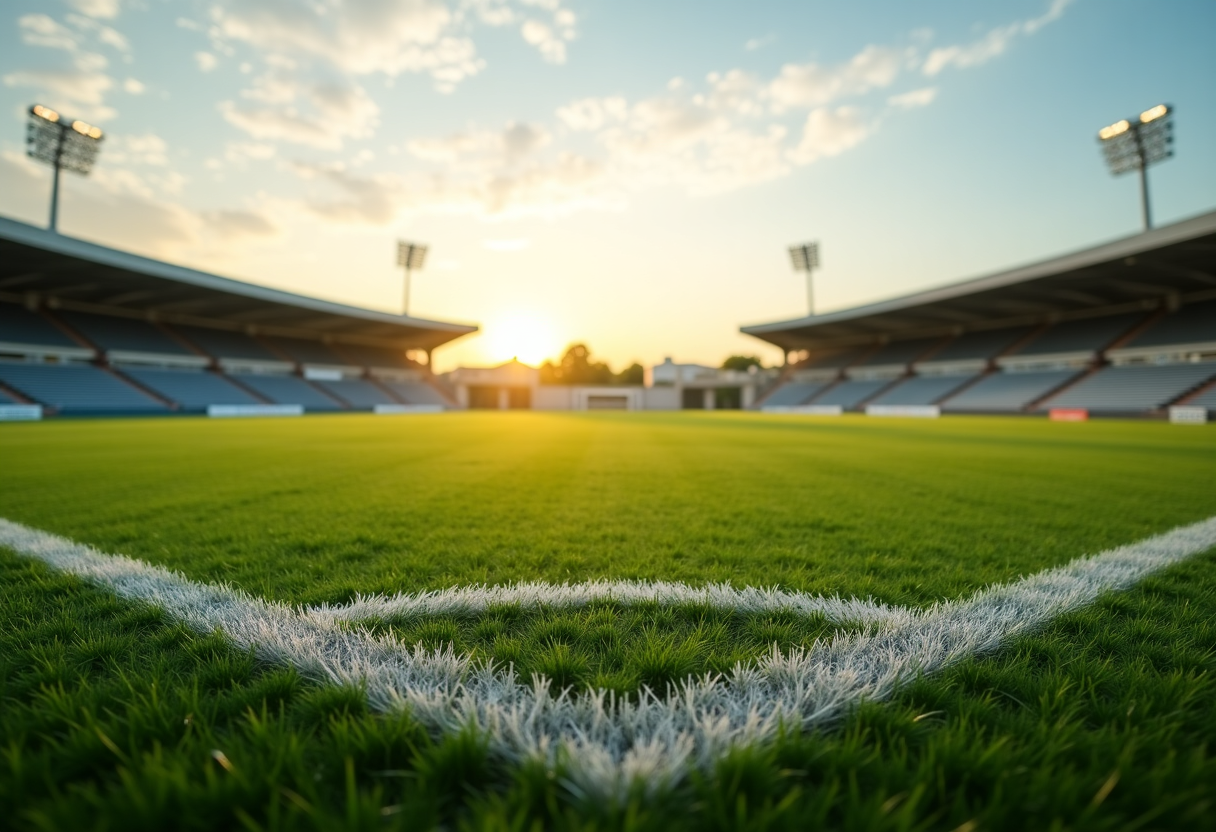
<point>109,712</point>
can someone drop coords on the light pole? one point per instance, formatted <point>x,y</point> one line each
<point>1136,143</point>
<point>61,143</point>
<point>410,256</point>
<point>805,258</point>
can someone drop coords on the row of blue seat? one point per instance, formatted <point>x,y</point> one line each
<point>1125,389</point>
<point>84,388</point>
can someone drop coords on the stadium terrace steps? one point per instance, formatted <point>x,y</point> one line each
<point>1089,335</point>
<point>367,356</point>
<point>1204,398</point>
<point>124,334</point>
<point>191,390</point>
<point>850,394</point>
<point>414,392</point>
<point>1008,392</point>
<point>1192,324</point>
<point>5,398</point>
<point>899,352</point>
<point>303,351</point>
<point>19,325</point>
<point>1139,387</point>
<point>224,343</point>
<point>284,389</point>
<point>77,388</point>
<point>984,345</point>
<point>921,390</point>
<point>357,393</point>
<point>794,393</point>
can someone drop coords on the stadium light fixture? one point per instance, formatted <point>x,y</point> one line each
<point>411,257</point>
<point>805,258</point>
<point>1135,143</point>
<point>62,143</point>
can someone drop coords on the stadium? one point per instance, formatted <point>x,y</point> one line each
<point>947,562</point>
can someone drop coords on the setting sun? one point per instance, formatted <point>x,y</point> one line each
<point>521,334</point>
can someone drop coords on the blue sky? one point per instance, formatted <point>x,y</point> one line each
<point>623,173</point>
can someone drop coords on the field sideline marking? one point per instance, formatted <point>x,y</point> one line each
<point>606,745</point>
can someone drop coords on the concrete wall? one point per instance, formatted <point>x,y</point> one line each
<point>551,397</point>
<point>661,398</point>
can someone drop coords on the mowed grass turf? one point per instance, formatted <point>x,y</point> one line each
<point>110,711</point>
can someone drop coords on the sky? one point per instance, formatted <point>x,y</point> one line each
<point>623,173</point>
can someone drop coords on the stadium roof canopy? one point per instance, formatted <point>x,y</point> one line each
<point>1171,264</point>
<point>64,271</point>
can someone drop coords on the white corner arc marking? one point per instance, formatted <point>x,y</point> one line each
<point>608,744</point>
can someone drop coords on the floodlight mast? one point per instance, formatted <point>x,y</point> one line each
<point>61,143</point>
<point>1135,143</point>
<point>410,256</point>
<point>805,258</point>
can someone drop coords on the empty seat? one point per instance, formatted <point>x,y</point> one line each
<point>794,392</point>
<point>77,388</point>
<point>1192,324</point>
<point>1088,335</point>
<point>19,325</point>
<point>124,334</point>
<point>5,398</point>
<point>192,390</point>
<point>850,394</point>
<point>1007,392</point>
<point>984,345</point>
<point>287,390</point>
<point>356,392</point>
<point>226,343</point>
<point>1133,388</point>
<point>365,356</point>
<point>305,351</point>
<point>921,390</point>
<point>414,392</point>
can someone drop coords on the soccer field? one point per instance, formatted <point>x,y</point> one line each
<point>120,710</point>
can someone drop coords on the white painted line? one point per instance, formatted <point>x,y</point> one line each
<point>608,744</point>
<point>475,599</point>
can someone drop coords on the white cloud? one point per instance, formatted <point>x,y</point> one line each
<point>550,41</point>
<point>811,85</point>
<point>231,225</point>
<point>995,42</point>
<point>84,90</point>
<point>318,114</point>
<point>96,8</point>
<point>206,61</point>
<point>759,43</point>
<point>136,149</point>
<point>590,114</point>
<point>914,98</point>
<point>41,30</point>
<point>134,86</point>
<point>829,132</point>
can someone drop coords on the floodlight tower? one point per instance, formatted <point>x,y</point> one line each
<point>411,257</point>
<point>1136,143</point>
<point>805,258</point>
<point>61,143</point>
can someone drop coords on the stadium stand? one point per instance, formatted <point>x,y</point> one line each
<point>225,343</point>
<point>358,393</point>
<point>922,390</point>
<point>1082,336</point>
<point>77,388</point>
<point>19,325</point>
<point>850,394</point>
<point>978,346</point>
<point>899,352</point>
<point>1131,388</point>
<point>283,389</point>
<point>366,356</point>
<point>305,351</point>
<point>1192,324</point>
<point>191,390</point>
<point>1205,399</point>
<point>414,392</point>
<point>1007,392</point>
<point>5,398</point>
<point>835,360</point>
<point>794,393</point>
<point>112,333</point>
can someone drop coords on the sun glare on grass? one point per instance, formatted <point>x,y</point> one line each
<point>521,334</point>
